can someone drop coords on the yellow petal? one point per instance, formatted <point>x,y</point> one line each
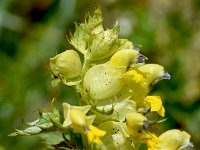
<point>152,141</point>
<point>97,131</point>
<point>97,140</point>
<point>135,76</point>
<point>94,134</point>
<point>155,103</point>
<point>90,136</point>
<point>161,112</point>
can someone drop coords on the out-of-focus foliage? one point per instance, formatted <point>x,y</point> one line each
<point>33,31</point>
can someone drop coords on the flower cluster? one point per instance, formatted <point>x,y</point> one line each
<point>113,81</point>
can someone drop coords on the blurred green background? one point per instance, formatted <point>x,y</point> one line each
<point>32,31</point>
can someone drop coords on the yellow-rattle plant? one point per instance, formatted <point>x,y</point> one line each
<point>116,111</point>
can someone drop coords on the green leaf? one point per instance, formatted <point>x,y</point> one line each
<point>52,138</point>
<point>32,123</point>
<point>28,131</point>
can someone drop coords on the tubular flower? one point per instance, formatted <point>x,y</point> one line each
<point>135,125</point>
<point>152,141</point>
<point>94,134</point>
<point>175,139</point>
<point>155,103</point>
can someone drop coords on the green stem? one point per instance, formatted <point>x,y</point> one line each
<point>84,99</point>
<point>86,66</point>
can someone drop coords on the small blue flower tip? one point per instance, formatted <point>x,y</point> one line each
<point>141,58</point>
<point>190,144</point>
<point>86,128</point>
<point>145,126</point>
<point>136,48</point>
<point>186,145</point>
<point>166,76</point>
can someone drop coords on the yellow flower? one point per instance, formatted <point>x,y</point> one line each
<point>152,141</point>
<point>135,76</point>
<point>75,118</point>
<point>155,103</point>
<point>94,134</point>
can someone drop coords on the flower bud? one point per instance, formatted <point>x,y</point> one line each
<point>126,44</point>
<point>104,45</point>
<point>124,57</point>
<point>85,32</point>
<point>66,65</point>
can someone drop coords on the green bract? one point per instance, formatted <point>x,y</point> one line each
<point>103,81</point>
<point>116,137</point>
<point>113,82</point>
